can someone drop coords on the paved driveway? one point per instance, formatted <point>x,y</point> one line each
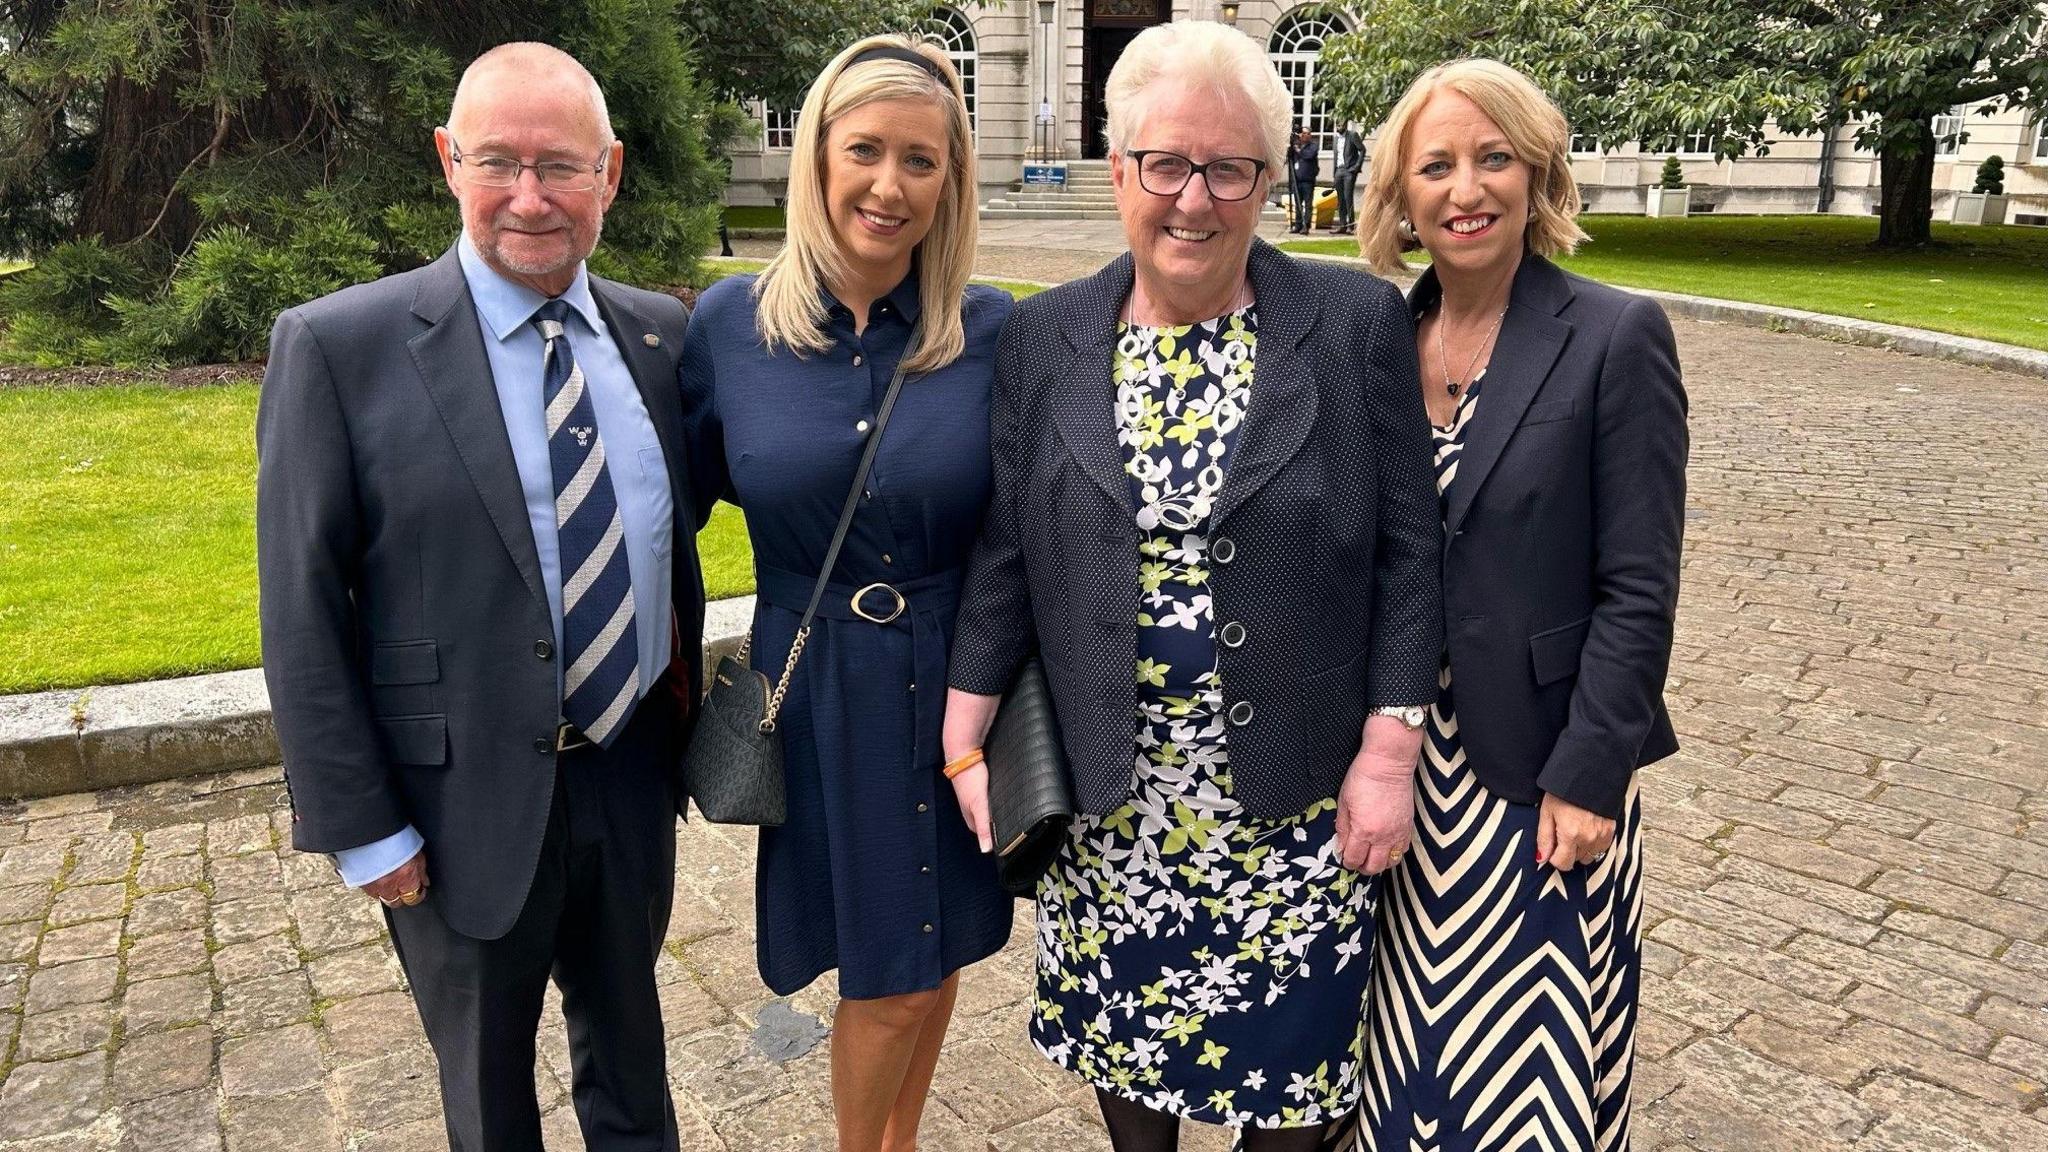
<point>1848,924</point>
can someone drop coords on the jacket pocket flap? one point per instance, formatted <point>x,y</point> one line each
<point>1554,653</point>
<point>1547,411</point>
<point>419,740</point>
<point>405,662</point>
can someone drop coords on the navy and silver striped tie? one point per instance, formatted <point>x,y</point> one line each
<point>601,646</point>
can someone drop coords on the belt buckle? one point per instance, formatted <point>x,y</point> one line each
<point>568,738</point>
<point>861,612</point>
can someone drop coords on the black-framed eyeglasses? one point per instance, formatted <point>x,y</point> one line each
<point>1165,173</point>
<point>554,175</point>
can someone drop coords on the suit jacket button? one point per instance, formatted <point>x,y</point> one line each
<point>1233,635</point>
<point>545,649</point>
<point>1241,713</point>
<point>544,746</point>
<point>1222,550</point>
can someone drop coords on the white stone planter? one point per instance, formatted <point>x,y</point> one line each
<point>1978,208</point>
<point>1668,201</point>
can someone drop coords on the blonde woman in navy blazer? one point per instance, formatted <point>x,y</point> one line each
<point>1505,992</point>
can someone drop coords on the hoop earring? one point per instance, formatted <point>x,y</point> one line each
<point>1407,231</point>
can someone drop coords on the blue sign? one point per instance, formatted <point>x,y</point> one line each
<point>1054,174</point>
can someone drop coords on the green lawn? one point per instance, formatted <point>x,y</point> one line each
<point>753,216</point>
<point>127,541</point>
<point>1991,283</point>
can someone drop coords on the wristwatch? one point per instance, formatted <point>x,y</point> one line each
<point>1411,717</point>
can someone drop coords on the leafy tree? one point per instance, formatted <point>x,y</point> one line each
<point>773,50</point>
<point>1646,69</point>
<point>182,169</point>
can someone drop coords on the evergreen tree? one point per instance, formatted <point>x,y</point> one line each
<point>183,169</point>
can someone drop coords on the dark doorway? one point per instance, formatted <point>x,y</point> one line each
<point>1109,28</point>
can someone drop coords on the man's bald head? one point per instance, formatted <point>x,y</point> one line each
<point>521,67</point>
<point>535,107</point>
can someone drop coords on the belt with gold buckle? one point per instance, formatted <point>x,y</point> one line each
<point>864,614</point>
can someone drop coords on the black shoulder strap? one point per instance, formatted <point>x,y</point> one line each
<point>860,478</point>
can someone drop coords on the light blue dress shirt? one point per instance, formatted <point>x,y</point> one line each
<point>633,459</point>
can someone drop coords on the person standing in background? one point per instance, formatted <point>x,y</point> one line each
<point>1350,159</point>
<point>1303,165</point>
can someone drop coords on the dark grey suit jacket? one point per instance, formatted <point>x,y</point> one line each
<point>1324,540</point>
<point>1562,550</point>
<point>402,607</point>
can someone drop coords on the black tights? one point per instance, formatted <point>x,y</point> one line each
<point>1136,1128</point>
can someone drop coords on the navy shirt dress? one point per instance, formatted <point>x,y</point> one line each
<point>874,873</point>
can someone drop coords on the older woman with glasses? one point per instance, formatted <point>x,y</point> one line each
<point>1213,517</point>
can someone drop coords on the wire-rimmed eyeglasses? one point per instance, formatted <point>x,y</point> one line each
<point>554,175</point>
<point>1229,178</point>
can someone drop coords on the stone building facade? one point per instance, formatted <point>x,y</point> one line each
<point>1034,71</point>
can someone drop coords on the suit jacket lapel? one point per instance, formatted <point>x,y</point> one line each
<point>1085,407</point>
<point>1531,336</point>
<point>452,364</point>
<point>1283,403</point>
<point>654,373</point>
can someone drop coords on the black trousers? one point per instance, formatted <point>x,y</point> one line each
<point>1347,197</point>
<point>1304,203</point>
<point>594,921</point>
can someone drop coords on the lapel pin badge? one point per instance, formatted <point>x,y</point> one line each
<point>651,340</point>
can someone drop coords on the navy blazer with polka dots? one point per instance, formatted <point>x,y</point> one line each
<point>1325,539</point>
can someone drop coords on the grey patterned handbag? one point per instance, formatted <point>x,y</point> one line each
<point>733,766</point>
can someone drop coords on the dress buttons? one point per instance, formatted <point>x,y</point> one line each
<point>886,559</point>
<point>927,928</point>
<point>543,745</point>
<point>1222,550</point>
<point>1241,713</point>
<point>544,649</point>
<point>856,361</point>
<point>1233,635</point>
<point>860,426</point>
<point>924,807</point>
<point>913,686</point>
<point>924,870</point>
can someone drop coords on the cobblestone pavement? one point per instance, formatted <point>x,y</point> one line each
<point>1847,924</point>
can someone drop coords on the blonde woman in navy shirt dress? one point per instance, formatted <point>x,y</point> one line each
<point>875,873</point>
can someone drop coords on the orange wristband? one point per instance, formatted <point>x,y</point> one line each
<point>963,763</point>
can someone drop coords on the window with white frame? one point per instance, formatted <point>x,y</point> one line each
<point>2039,154</point>
<point>1296,49</point>
<point>1584,144</point>
<point>1691,145</point>
<point>778,129</point>
<point>948,28</point>
<point>1948,132</point>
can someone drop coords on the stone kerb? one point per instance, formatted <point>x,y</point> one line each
<point>82,740</point>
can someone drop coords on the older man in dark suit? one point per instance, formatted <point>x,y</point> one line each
<point>480,611</point>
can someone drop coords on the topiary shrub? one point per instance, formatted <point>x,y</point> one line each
<point>1991,176</point>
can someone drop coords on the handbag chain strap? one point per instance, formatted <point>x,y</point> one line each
<point>860,480</point>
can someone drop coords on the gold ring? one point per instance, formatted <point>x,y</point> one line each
<point>411,898</point>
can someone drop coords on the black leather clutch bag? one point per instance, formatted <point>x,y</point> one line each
<point>1030,802</point>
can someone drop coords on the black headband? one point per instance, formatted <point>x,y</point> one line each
<point>892,52</point>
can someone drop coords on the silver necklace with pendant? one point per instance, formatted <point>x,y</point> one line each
<point>1453,387</point>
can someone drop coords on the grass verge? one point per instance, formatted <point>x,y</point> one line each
<point>128,539</point>
<point>1990,283</point>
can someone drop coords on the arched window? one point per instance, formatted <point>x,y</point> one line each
<point>1297,50</point>
<point>948,28</point>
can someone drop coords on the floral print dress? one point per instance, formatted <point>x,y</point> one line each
<point>1191,957</point>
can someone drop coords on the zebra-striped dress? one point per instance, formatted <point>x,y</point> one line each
<point>1502,1010</point>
